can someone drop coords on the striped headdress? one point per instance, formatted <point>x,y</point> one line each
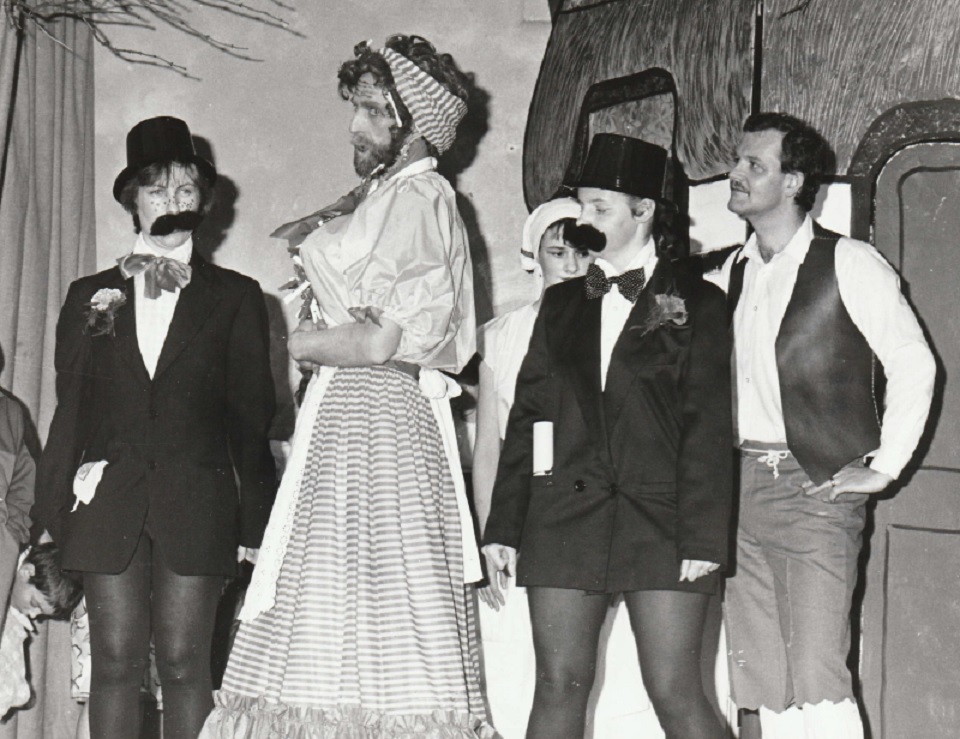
<point>435,111</point>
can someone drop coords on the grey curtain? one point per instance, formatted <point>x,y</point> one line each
<point>47,239</point>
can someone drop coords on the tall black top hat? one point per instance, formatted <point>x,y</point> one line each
<point>162,139</point>
<point>626,165</point>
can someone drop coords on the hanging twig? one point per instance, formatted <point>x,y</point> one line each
<point>795,9</point>
<point>101,15</point>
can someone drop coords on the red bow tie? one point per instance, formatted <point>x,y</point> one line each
<point>630,283</point>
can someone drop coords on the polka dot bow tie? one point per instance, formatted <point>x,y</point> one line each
<point>630,283</point>
<point>160,273</point>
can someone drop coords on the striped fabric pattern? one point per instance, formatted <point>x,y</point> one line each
<point>372,622</point>
<point>436,112</point>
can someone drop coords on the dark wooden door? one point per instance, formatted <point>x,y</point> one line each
<point>910,665</point>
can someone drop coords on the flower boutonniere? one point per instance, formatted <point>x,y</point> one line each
<point>102,311</point>
<point>669,311</point>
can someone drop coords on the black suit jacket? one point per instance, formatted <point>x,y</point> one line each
<point>177,444</point>
<point>642,470</point>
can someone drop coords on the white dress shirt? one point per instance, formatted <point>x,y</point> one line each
<point>615,308</point>
<point>154,315</point>
<point>870,290</point>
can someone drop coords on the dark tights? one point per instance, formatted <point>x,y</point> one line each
<point>122,609</point>
<point>668,626</point>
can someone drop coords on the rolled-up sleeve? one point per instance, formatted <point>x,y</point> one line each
<point>870,289</point>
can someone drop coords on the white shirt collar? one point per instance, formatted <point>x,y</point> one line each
<point>796,248</point>
<point>181,254</point>
<point>643,258</point>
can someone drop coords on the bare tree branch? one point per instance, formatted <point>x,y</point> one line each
<point>100,16</point>
<point>796,9</point>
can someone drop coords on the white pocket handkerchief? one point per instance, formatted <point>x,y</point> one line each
<point>85,482</point>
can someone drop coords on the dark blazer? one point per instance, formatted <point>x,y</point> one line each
<point>642,470</point>
<point>177,445</point>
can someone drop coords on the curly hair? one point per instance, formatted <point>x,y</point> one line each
<point>418,50</point>
<point>803,150</point>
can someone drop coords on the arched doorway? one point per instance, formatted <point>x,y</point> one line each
<point>906,189</point>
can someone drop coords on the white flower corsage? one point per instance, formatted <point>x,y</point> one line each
<point>669,310</point>
<point>102,311</point>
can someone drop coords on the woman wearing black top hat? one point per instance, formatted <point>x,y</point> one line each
<point>164,398</point>
<point>630,493</point>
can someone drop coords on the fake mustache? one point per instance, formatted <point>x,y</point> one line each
<point>186,220</point>
<point>585,236</point>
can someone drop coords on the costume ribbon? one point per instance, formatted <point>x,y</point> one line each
<point>296,231</point>
<point>160,273</point>
<point>630,283</point>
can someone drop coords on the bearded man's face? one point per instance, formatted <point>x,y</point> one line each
<point>374,134</point>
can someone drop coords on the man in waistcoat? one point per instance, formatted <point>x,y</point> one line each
<point>814,316</point>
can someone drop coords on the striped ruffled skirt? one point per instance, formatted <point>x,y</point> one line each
<point>372,633</point>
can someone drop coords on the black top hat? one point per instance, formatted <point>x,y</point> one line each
<point>162,139</point>
<point>625,165</point>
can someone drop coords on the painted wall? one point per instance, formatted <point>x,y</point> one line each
<point>278,129</point>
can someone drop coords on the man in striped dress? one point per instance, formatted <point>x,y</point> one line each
<point>357,620</point>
